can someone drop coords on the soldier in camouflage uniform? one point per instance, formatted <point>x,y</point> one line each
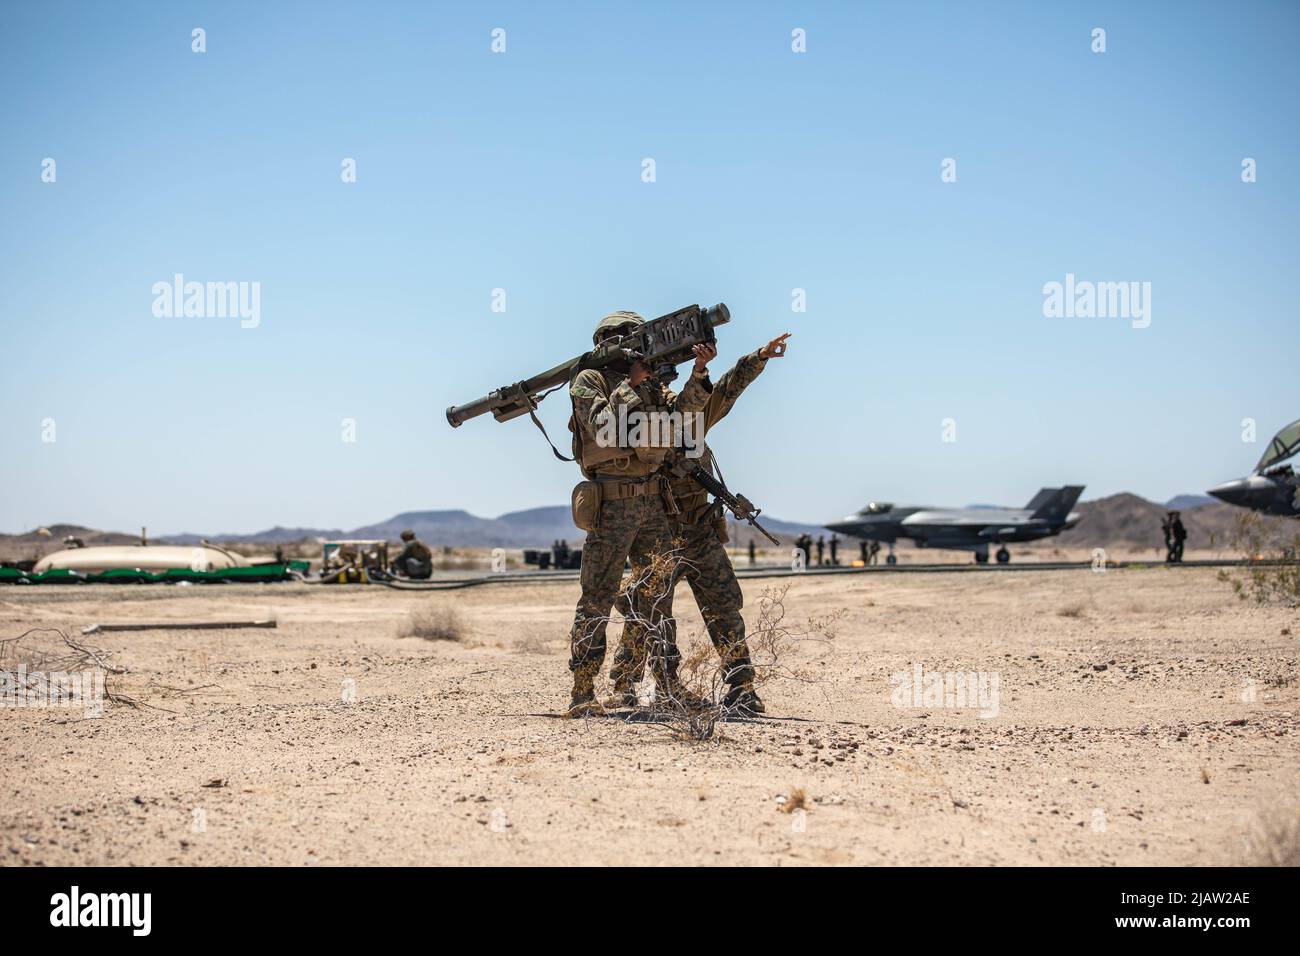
<point>633,522</point>
<point>700,533</point>
<point>415,559</point>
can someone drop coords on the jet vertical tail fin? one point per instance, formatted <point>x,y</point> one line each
<point>1054,504</point>
<point>1043,497</point>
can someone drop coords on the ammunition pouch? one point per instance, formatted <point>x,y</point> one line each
<point>720,526</point>
<point>716,518</point>
<point>587,496</point>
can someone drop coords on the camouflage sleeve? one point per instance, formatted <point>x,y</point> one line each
<point>591,400</point>
<point>729,387</point>
<point>694,394</point>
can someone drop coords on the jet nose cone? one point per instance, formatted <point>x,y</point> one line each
<point>1235,492</point>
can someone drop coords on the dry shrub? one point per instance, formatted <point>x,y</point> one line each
<point>702,672</point>
<point>43,656</point>
<point>434,624</point>
<point>798,800</point>
<point>1274,839</point>
<point>535,644</point>
<point>1271,573</point>
<point>1071,610</point>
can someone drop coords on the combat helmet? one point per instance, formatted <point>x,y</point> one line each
<point>408,535</point>
<point>614,321</point>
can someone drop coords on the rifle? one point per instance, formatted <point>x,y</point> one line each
<point>738,505</point>
<point>662,344</point>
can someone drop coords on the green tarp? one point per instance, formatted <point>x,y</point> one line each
<point>260,573</point>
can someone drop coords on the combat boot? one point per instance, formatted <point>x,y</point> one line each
<point>624,696</point>
<point>678,695</point>
<point>583,702</point>
<point>743,701</point>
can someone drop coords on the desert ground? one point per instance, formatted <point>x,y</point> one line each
<point>1143,716</point>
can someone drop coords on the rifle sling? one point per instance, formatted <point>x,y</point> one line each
<point>532,413</point>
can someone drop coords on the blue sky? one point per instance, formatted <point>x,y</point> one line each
<point>522,171</point>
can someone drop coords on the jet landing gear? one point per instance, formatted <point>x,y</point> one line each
<point>891,558</point>
<point>982,557</point>
<point>1003,555</point>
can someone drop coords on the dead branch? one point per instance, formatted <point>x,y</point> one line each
<point>694,710</point>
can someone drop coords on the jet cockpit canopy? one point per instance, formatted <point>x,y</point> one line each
<point>881,507</point>
<point>1284,444</point>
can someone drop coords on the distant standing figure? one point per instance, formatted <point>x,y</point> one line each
<point>821,549</point>
<point>835,550</point>
<point>874,551</point>
<point>753,553</point>
<point>1179,535</point>
<point>862,545</point>
<point>415,559</point>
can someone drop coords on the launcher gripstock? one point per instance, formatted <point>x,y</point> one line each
<point>662,344</point>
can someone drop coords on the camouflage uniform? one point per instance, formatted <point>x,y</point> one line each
<point>633,522</point>
<point>703,561</point>
<point>415,559</point>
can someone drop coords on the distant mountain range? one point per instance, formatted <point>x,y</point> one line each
<point>534,528</point>
<point>1122,519</point>
<point>1188,502</point>
<point>1127,520</point>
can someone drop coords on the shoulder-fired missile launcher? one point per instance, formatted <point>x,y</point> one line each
<point>662,344</point>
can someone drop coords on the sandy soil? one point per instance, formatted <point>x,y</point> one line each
<point>1144,716</point>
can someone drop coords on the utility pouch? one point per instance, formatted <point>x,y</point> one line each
<point>586,505</point>
<point>715,516</point>
<point>720,526</point>
<point>670,499</point>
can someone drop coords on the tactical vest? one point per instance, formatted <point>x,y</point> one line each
<point>637,462</point>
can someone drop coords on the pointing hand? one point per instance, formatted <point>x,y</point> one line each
<point>774,348</point>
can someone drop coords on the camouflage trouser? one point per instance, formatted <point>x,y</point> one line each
<point>702,561</point>
<point>635,528</point>
<point>415,568</point>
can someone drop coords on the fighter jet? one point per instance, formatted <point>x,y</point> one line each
<point>965,529</point>
<point>1273,487</point>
